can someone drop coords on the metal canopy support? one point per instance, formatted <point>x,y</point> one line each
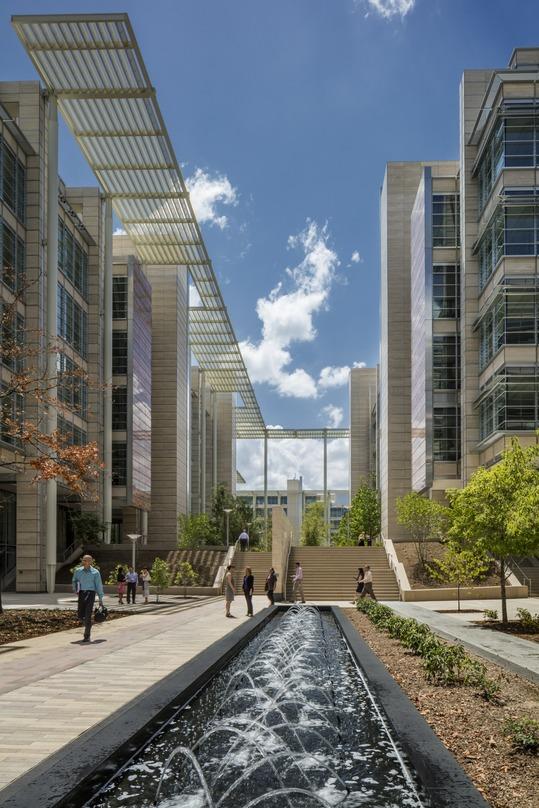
<point>51,329</point>
<point>214,454</point>
<point>107,373</point>
<point>266,486</point>
<point>93,64</point>
<point>203,443</point>
<point>326,515</point>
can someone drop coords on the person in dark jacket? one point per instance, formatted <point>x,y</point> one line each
<point>359,580</point>
<point>248,587</point>
<point>120,580</point>
<point>269,586</point>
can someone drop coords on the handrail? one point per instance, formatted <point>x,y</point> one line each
<point>527,581</point>
<point>221,571</point>
<point>396,565</point>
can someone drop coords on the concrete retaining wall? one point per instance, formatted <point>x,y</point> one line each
<point>466,593</point>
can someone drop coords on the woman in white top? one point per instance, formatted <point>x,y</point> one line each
<point>145,576</point>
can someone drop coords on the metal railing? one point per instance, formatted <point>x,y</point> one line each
<point>395,565</point>
<point>513,564</point>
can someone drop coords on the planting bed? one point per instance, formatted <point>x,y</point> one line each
<point>470,727</point>
<point>23,624</point>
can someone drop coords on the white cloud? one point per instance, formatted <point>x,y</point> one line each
<point>119,231</point>
<point>356,258</point>
<point>293,458</point>
<point>288,316</point>
<point>391,8</point>
<point>194,297</point>
<point>333,414</point>
<point>336,376</point>
<point>207,192</point>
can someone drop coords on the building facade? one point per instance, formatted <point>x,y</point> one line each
<point>363,393</point>
<point>459,357</point>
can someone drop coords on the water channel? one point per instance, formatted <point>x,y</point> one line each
<point>289,722</point>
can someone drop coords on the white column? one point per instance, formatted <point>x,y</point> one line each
<point>203,449</point>
<point>144,526</point>
<point>265,487</point>
<point>107,372</point>
<point>326,509</point>
<point>51,332</point>
<point>214,457</point>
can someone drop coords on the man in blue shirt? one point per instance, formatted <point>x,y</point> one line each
<point>132,580</point>
<point>87,582</point>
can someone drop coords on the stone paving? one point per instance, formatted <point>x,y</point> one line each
<point>513,653</point>
<point>53,688</point>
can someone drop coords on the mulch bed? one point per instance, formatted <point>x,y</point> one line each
<point>470,727</point>
<point>513,627</point>
<point>22,624</point>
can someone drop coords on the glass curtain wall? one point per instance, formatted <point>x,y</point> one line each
<point>513,143</point>
<point>513,230</point>
<point>445,220</point>
<point>446,433</point>
<point>445,291</point>
<point>510,402</point>
<point>511,319</point>
<point>445,362</point>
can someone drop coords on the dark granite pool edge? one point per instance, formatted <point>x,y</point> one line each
<point>441,775</point>
<point>52,782</point>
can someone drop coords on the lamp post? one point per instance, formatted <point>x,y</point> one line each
<point>227,511</point>
<point>133,539</point>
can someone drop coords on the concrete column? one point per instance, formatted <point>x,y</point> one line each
<point>107,372</point>
<point>214,455</point>
<point>144,526</point>
<point>51,332</point>
<point>203,447</point>
<point>265,485</point>
<point>326,509</point>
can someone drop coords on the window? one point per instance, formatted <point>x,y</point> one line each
<point>445,291</point>
<point>514,142</point>
<point>511,319</point>
<point>284,500</point>
<point>72,322</point>
<point>119,298</point>
<point>260,500</point>
<point>72,386</point>
<point>12,181</point>
<point>119,464</point>
<point>446,433</point>
<point>511,402</point>
<point>71,433</point>
<point>445,220</point>
<point>273,500</point>
<point>119,353</point>
<point>13,255</point>
<point>11,338</point>
<point>72,259</point>
<point>12,406</point>
<point>512,230</point>
<point>445,362</point>
<point>119,408</point>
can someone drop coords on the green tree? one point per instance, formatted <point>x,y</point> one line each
<point>196,530</point>
<point>498,510</point>
<point>425,520</point>
<point>362,518</point>
<point>87,527</point>
<point>313,529</point>
<point>185,576</point>
<point>160,575</point>
<point>460,567</point>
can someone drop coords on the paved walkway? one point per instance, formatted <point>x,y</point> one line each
<point>513,653</point>
<point>54,688</point>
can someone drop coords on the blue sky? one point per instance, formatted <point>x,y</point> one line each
<point>284,115</point>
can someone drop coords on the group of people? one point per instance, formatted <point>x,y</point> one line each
<point>229,587</point>
<point>127,584</point>
<point>363,581</point>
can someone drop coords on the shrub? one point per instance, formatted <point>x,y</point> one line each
<point>160,575</point>
<point>490,614</point>
<point>524,733</point>
<point>185,576</point>
<point>528,621</point>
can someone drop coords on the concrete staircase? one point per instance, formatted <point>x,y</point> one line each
<point>530,567</point>
<point>205,561</point>
<point>260,564</point>
<point>329,572</point>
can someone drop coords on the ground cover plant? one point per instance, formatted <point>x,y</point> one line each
<point>23,624</point>
<point>482,732</point>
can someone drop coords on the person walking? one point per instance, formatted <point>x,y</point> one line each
<point>120,580</point>
<point>132,581</point>
<point>244,540</point>
<point>87,583</point>
<point>248,589</point>
<point>229,587</point>
<point>367,584</point>
<point>269,586</point>
<point>360,578</point>
<point>297,583</point>
<point>146,579</point>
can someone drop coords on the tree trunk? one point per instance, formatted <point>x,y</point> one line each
<point>503,591</point>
